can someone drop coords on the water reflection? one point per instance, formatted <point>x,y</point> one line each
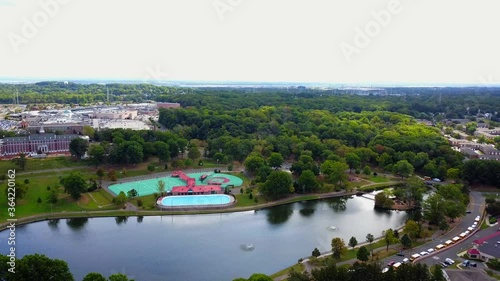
<point>308,207</point>
<point>53,224</point>
<point>338,205</point>
<point>140,219</point>
<point>120,220</point>
<point>279,214</point>
<point>77,223</point>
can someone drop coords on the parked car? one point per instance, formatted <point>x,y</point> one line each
<point>430,250</point>
<point>400,254</point>
<point>406,260</point>
<point>449,261</point>
<point>443,264</point>
<point>391,263</point>
<point>423,253</point>
<point>436,180</point>
<point>473,264</point>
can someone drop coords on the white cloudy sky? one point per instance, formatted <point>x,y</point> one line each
<point>424,41</point>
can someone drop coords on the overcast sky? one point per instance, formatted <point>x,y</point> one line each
<point>372,41</point>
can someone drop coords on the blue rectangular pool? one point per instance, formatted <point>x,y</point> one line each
<point>195,200</point>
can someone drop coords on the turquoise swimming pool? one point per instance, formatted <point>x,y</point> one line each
<point>195,200</point>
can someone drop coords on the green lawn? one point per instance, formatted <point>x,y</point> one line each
<point>378,179</point>
<point>297,267</point>
<point>244,201</point>
<point>42,164</point>
<point>148,202</point>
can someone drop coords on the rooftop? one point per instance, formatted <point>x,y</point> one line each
<point>467,275</point>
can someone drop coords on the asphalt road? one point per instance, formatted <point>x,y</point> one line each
<point>451,252</point>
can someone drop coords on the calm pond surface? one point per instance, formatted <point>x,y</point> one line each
<point>214,247</point>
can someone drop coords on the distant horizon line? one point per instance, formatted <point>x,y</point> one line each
<point>31,80</point>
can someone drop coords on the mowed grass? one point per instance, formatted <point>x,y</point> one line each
<point>37,188</point>
<point>378,179</point>
<point>42,164</point>
<point>243,200</point>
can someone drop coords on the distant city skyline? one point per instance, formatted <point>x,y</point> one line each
<point>392,42</point>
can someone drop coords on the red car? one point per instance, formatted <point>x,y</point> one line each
<point>391,263</point>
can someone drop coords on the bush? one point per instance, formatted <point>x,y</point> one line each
<point>139,203</point>
<point>375,173</point>
<point>48,188</point>
<point>493,220</point>
<point>256,200</point>
<point>151,167</point>
<point>250,196</point>
<point>230,167</point>
<point>490,200</point>
<point>494,264</point>
<point>26,181</point>
<point>241,190</point>
<point>39,200</point>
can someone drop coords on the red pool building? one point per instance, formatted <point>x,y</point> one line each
<point>191,188</point>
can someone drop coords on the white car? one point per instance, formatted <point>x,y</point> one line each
<point>423,253</point>
<point>406,260</point>
<point>430,250</point>
<point>436,180</point>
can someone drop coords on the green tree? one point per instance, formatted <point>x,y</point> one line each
<point>406,241</point>
<point>353,242</point>
<point>21,191</point>
<point>253,162</point>
<point>437,274</point>
<point>100,175</point>
<point>275,160</point>
<point>453,173</point>
<point>194,152</point>
<point>21,161</point>
<point>160,186</point>
<point>94,276</point>
<point>403,168</point>
<point>120,200</point>
<point>151,167</point>
<point>53,196</point>
<point>382,200</point>
<point>88,131</point>
<point>134,153</point>
<point>277,185</point>
<point>412,229</point>
<point>316,253</point>
<point>338,247</point>
<point>454,209</point>
<point>96,154</point>
<point>74,184</point>
<point>78,147</point>
<point>370,238</point>
<point>353,161</point>
<point>132,193</point>
<point>119,277</point>
<point>389,238</point>
<point>363,254</point>
<point>335,172</point>
<point>433,209</point>
<point>367,171</point>
<point>308,181</point>
<point>470,128</point>
<point>40,267</point>
<point>162,151</point>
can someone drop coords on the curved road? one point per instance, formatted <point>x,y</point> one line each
<point>476,205</point>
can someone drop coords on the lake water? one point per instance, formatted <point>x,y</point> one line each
<point>202,247</point>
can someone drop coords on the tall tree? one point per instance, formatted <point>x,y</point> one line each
<point>353,161</point>
<point>338,247</point>
<point>21,161</point>
<point>78,147</point>
<point>40,267</point>
<point>277,185</point>
<point>194,152</point>
<point>74,184</point>
<point>353,242</point>
<point>405,241</point>
<point>96,154</point>
<point>308,181</point>
<point>275,160</point>
<point>363,254</point>
<point>389,238</point>
<point>161,187</point>
<point>403,168</point>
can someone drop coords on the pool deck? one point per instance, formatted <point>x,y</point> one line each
<point>232,201</point>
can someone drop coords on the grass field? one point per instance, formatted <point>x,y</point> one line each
<point>42,164</point>
<point>378,179</point>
